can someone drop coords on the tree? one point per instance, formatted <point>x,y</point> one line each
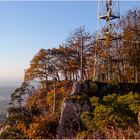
<point>38,69</point>
<point>131,43</point>
<point>80,41</point>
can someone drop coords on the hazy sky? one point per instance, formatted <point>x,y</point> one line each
<point>26,27</point>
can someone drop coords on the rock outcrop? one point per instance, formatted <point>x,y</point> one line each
<point>71,110</point>
<point>83,88</point>
<point>78,102</point>
<point>139,118</point>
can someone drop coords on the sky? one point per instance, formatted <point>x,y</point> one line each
<point>28,26</point>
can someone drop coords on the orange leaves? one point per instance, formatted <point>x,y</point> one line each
<point>22,128</point>
<point>43,127</point>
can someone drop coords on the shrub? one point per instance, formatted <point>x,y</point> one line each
<point>113,113</point>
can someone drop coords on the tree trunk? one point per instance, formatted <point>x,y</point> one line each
<point>54,100</point>
<point>81,72</point>
<point>65,75</point>
<point>30,108</point>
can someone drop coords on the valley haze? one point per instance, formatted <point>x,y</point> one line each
<point>6,88</point>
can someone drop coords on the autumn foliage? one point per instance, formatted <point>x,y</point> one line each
<point>35,106</point>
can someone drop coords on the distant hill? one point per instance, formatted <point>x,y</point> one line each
<point>5,92</point>
<point>3,106</point>
<point>6,88</point>
<point>2,118</point>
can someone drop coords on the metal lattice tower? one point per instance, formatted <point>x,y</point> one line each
<point>107,36</point>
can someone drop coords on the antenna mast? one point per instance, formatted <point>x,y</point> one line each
<point>107,33</point>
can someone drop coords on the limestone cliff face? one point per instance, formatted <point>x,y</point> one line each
<point>71,110</point>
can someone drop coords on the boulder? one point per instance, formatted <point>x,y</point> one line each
<point>70,121</point>
<point>76,89</point>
